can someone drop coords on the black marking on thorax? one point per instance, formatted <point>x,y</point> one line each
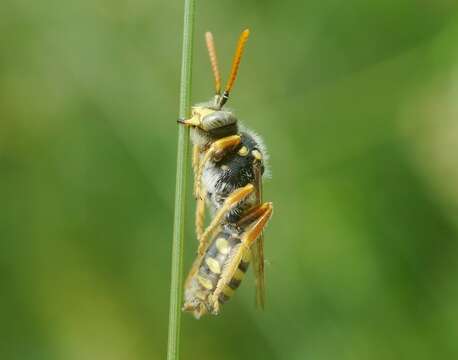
<point>240,170</point>
<point>236,171</point>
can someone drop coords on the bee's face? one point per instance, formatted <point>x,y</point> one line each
<point>208,119</point>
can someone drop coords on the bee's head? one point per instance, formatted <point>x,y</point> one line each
<point>209,124</point>
<point>209,119</point>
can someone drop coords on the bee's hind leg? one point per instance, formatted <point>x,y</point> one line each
<point>255,221</point>
<point>254,213</point>
<point>231,201</point>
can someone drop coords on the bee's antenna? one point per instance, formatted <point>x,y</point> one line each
<point>235,66</point>
<point>214,62</point>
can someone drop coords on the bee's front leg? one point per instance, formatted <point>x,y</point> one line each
<point>215,152</point>
<point>200,205</point>
<point>195,167</point>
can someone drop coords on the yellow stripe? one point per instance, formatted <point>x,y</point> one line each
<point>239,274</point>
<point>228,291</point>
<point>247,256</point>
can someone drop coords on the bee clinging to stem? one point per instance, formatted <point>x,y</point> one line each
<point>228,163</point>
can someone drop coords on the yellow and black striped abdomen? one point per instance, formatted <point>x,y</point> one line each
<point>236,280</point>
<point>213,266</point>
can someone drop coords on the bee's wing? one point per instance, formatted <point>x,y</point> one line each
<point>258,247</point>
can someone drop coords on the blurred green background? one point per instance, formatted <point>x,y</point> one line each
<point>357,102</point>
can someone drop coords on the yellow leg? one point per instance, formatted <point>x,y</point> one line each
<point>247,240</point>
<point>216,151</point>
<point>194,268</point>
<point>200,217</point>
<point>252,214</point>
<point>232,200</point>
<point>257,251</point>
<point>200,204</point>
<point>195,167</point>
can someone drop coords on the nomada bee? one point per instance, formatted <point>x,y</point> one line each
<point>228,163</point>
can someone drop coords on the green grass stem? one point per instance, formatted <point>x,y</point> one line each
<point>176,283</point>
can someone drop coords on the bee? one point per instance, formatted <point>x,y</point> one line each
<point>228,163</point>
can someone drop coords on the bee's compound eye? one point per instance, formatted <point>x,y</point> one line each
<point>217,120</point>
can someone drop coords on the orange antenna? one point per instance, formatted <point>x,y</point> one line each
<point>235,65</point>
<point>214,61</point>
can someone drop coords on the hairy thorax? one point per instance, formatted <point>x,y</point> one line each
<point>233,171</point>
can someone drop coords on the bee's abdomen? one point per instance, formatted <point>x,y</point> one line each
<point>236,280</point>
<point>214,264</point>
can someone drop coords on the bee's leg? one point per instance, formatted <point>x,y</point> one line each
<point>200,205</point>
<point>248,237</point>
<point>216,151</point>
<point>253,214</point>
<point>231,201</point>
<point>195,167</point>
<point>200,217</point>
<point>257,251</point>
<point>194,268</point>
